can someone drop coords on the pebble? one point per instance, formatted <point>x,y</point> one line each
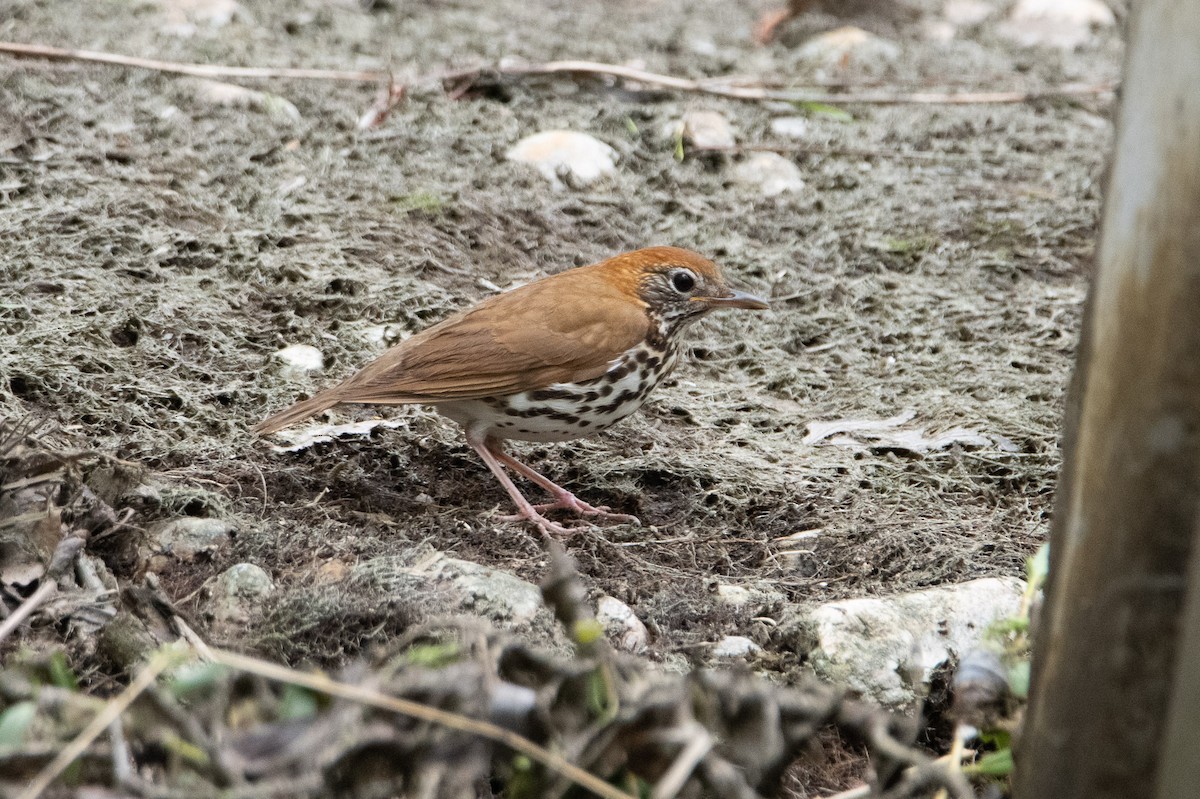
<point>189,537</point>
<point>622,625</point>
<point>707,130</point>
<point>228,95</point>
<point>770,173</point>
<point>735,646</point>
<point>790,127</point>
<point>565,157</point>
<point>848,46</point>
<point>299,360</point>
<point>1066,24</point>
<point>237,596</point>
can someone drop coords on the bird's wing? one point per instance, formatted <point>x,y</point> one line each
<point>559,330</point>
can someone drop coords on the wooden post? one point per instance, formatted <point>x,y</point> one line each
<point>1127,510</point>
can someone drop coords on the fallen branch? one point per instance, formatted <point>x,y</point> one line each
<point>720,88</point>
<point>716,87</point>
<point>194,70</point>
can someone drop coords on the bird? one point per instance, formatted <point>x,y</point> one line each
<point>559,358</point>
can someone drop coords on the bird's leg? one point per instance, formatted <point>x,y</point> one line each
<point>525,511</point>
<point>562,497</point>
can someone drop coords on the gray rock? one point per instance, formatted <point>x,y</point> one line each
<point>188,537</point>
<point>1056,23</point>
<point>735,646</point>
<point>707,130</point>
<point>770,173</point>
<point>237,594</point>
<point>847,46</point>
<point>446,585</point>
<point>578,158</point>
<point>622,625</point>
<point>887,648</point>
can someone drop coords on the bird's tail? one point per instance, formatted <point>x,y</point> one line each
<point>303,409</point>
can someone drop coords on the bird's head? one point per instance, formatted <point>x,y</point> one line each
<point>680,286</point>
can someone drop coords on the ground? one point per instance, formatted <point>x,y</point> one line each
<point>159,248</point>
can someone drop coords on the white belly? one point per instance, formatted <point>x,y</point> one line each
<point>564,411</point>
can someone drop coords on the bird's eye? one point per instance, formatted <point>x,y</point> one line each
<point>683,282</point>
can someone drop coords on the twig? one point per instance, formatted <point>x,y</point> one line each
<point>194,70</point>
<point>112,711</point>
<point>484,729</point>
<point>720,89</point>
<point>716,87</point>
<point>64,556</point>
<point>695,750</point>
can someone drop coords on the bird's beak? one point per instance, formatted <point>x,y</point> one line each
<point>735,299</point>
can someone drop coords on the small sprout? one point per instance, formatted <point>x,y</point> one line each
<point>631,126</point>
<point>598,694</point>
<point>679,144</point>
<point>433,656</point>
<point>61,675</point>
<point>586,632</point>
<point>184,750</point>
<point>993,764</point>
<point>824,110</point>
<point>418,201</point>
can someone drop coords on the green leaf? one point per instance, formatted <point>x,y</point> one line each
<point>679,144</point>
<point>297,703</point>
<point>597,693</point>
<point>433,656</point>
<point>824,110</point>
<point>631,126</point>
<point>61,674</point>
<point>418,201</point>
<point>14,722</point>
<point>993,764</point>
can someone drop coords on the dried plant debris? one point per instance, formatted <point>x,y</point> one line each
<point>449,711</point>
<point>48,515</point>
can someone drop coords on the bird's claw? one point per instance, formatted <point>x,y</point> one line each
<point>569,501</point>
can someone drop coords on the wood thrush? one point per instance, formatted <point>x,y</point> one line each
<point>556,359</point>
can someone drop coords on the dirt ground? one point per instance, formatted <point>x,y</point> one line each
<point>157,249</point>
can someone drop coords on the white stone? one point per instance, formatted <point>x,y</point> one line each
<point>1056,23</point>
<point>770,173</point>
<point>707,130</point>
<point>556,154</point>
<point>237,594</point>
<point>735,646</point>
<point>739,595</point>
<point>845,46</point>
<point>228,95</point>
<point>300,359</point>
<point>790,127</point>
<point>887,648</point>
<point>965,13</point>
<point>622,625</point>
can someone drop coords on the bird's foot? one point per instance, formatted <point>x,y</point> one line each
<point>568,501</point>
<point>533,516</point>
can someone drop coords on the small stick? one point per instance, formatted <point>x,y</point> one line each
<point>407,707</point>
<point>713,86</point>
<point>111,712</point>
<point>194,70</point>
<point>64,556</point>
<point>718,89</point>
<point>697,747</point>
